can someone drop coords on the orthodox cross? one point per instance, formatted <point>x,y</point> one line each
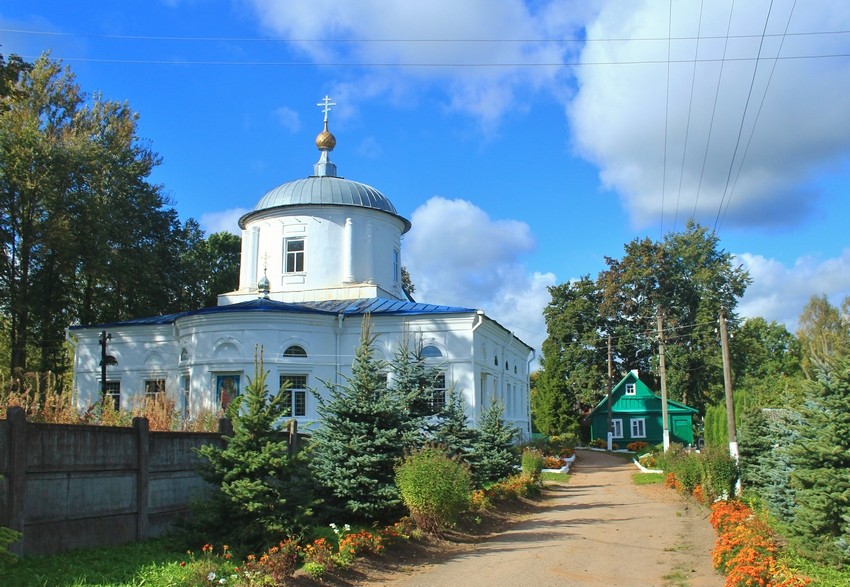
<point>326,104</point>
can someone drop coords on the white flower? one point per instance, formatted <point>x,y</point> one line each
<point>211,577</point>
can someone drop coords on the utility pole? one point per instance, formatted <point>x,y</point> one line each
<point>610,386</point>
<point>727,385</point>
<point>663,372</point>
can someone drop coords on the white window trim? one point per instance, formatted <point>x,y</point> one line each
<point>302,252</point>
<point>306,389</point>
<point>617,425</point>
<point>638,423</point>
<point>631,389</point>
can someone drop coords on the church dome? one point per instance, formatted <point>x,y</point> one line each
<point>324,187</point>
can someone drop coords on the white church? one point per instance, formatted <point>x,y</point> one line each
<point>318,256</point>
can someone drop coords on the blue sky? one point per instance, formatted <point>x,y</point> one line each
<point>524,140</point>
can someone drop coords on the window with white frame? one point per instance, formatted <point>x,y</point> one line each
<point>154,388</point>
<point>638,427</point>
<point>617,428</point>
<point>396,266</point>
<point>293,254</point>
<point>437,400</point>
<point>113,393</point>
<point>630,389</point>
<point>295,395</point>
<point>295,351</point>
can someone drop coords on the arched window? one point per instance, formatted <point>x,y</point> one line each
<point>184,356</point>
<point>295,351</point>
<point>431,352</point>
<point>506,366</point>
<point>496,360</point>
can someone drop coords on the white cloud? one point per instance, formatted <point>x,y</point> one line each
<point>779,293</point>
<point>288,119</point>
<point>438,35</point>
<point>226,220</point>
<point>622,113</point>
<point>457,255</point>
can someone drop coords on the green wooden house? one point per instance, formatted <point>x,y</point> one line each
<point>636,415</point>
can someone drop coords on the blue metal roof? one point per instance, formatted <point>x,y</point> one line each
<point>326,190</point>
<point>384,306</point>
<point>333,307</point>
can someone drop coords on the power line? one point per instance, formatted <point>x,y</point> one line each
<point>688,124</point>
<point>758,114</point>
<point>412,40</point>
<point>515,65</point>
<point>743,117</point>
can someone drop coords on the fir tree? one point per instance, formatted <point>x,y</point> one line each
<point>494,451</point>
<point>452,430</point>
<point>766,435</point>
<point>261,492</point>
<point>414,382</point>
<point>821,459</point>
<point>362,436</point>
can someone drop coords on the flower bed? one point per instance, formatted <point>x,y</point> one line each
<point>745,549</point>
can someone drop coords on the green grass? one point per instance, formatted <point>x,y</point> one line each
<point>821,575</point>
<point>151,563</point>
<point>554,477</point>
<point>647,478</point>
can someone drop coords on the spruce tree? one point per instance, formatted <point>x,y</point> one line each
<point>494,451</point>
<point>821,459</point>
<point>362,436</point>
<point>414,382</point>
<point>766,435</point>
<point>261,492</point>
<point>452,430</point>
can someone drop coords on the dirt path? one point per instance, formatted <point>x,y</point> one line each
<point>600,529</point>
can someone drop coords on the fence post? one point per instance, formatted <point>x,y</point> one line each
<point>17,421</point>
<point>142,428</point>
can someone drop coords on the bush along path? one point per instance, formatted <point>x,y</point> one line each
<point>600,529</point>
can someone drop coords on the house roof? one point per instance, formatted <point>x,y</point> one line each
<point>374,306</point>
<point>643,401</point>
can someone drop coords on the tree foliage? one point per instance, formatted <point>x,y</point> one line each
<point>573,367</point>
<point>261,493</point>
<point>494,448</point>
<point>686,278</point>
<point>86,236</point>
<point>821,460</point>
<point>361,437</point>
<point>823,332</point>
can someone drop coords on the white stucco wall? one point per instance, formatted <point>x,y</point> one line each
<point>224,343</point>
<point>344,247</point>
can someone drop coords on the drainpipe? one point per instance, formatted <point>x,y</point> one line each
<point>528,395</point>
<point>476,381</point>
<point>339,319</point>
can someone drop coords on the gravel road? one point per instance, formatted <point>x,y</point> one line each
<point>600,529</point>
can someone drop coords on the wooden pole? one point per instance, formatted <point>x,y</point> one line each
<point>663,372</point>
<point>727,385</point>
<point>610,387</point>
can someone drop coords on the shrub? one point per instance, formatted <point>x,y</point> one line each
<point>532,463</point>
<point>513,487</point>
<point>719,473</point>
<point>636,446</point>
<point>434,487</point>
<point>598,443</point>
<point>688,470</point>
